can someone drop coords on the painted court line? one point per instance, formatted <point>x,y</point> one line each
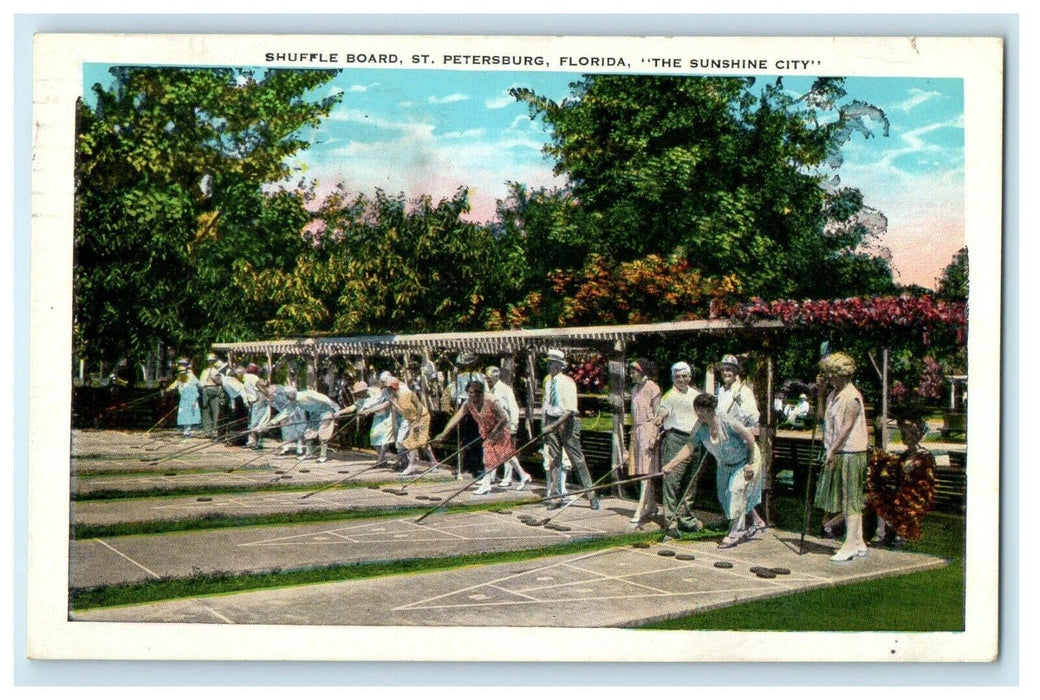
<point>135,563</point>
<point>512,592</point>
<point>492,582</point>
<point>620,579</point>
<point>214,613</point>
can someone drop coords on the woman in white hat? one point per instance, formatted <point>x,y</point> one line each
<point>372,401</point>
<point>736,400</point>
<point>734,396</point>
<point>187,386</point>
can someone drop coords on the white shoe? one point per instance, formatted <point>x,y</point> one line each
<point>482,491</point>
<point>635,519</point>
<point>524,481</point>
<point>504,484</point>
<point>322,460</point>
<point>845,555</point>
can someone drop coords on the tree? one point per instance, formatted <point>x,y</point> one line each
<point>171,166</point>
<point>737,180</point>
<point>953,283</point>
<point>384,264</point>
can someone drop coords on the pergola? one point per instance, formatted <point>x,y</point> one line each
<point>610,341</point>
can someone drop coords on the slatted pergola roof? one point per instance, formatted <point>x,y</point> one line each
<point>491,342</point>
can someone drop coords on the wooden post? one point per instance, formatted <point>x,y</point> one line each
<point>616,373</point>
<point>532,396</point>
<point>270,367</point>
<point>311,371</point>
<point>884,399</point>
<point>766,434</point>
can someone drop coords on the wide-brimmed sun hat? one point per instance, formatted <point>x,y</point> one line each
<point>556,356</point>
<point>465,359</point>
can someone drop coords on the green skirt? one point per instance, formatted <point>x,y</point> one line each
<point>841,488</point>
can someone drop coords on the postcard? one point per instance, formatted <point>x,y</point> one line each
<point>515,348</point>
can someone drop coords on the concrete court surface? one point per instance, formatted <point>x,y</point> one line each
<point>617,587</point>
<point>369,491</point>
<point>133,558</point>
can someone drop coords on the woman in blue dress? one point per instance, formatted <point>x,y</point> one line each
<point>375,402</point>
<point>738,459</point>
<point>187,385</point>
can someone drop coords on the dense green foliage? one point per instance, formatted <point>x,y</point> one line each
<point>736,179</point>
<point>953,283</point>
<point>171,166</point>
<point>384,264</point>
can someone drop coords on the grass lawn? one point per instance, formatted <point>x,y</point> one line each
<point>922,602</point>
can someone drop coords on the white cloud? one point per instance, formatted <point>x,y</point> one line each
<point>917,97</point>
<point>468,133</point>
<point>914,142</point>
<point>361,88</point>
<point>454,97</point>
<point>500,102</point>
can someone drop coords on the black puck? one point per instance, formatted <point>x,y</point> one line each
<point>756,569</point>
<point>503,512</point>
<point>203,499</point>
<point>433,498</point>
<point>279,471</point>
<point>373,487</point>
<point>304,471</point>
<point>343,471</point>
<point>765,573</point>
<point>169,473</point>
<point>641,545</point>
<point>723,565</point>
<point>780,570</point>
<point>685,557</point>
<point>666,552</point>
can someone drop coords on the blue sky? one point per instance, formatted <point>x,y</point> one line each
<point>431,131</point>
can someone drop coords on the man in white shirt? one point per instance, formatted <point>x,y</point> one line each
<point>212,396</point>
<point>677,417</point>
<point>560,398</point>
<point>503,393</point>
